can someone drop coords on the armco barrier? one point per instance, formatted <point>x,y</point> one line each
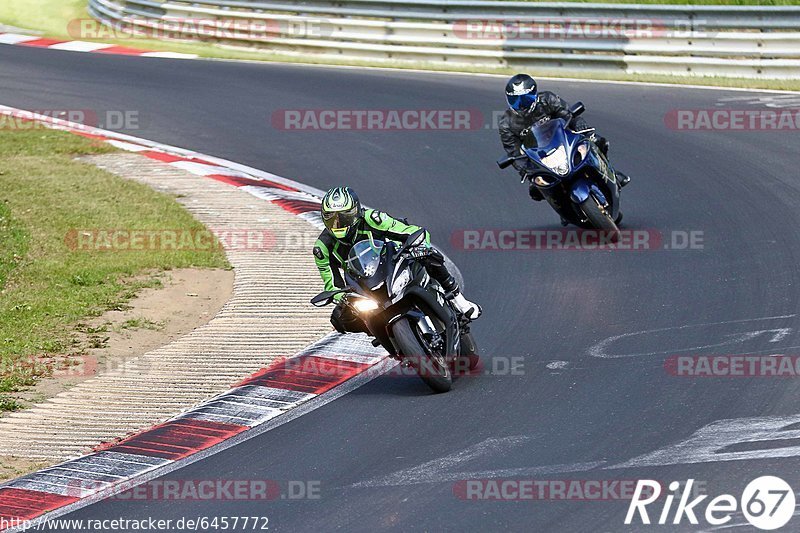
<point>741,41</point>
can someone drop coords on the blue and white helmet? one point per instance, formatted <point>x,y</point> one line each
<point>521,94</point>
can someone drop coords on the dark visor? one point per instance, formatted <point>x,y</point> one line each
<point>340,219</point>
<point>521,102</point>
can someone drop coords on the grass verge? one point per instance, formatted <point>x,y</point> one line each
<point>46,286</point>
<point>52,18</point>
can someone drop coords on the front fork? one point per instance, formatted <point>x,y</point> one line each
<point>582,188</point>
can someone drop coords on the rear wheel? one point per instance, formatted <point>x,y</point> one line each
<point>600,218</point>
<point>432,368</point>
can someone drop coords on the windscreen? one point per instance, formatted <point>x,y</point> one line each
<point>550,133</point>
<point>364,258</point>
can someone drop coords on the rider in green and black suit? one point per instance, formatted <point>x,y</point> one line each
<point>346,223</point>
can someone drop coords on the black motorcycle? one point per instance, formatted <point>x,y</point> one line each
<point>573,175</point>
<point>406,311</point>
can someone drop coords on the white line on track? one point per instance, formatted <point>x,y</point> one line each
<point>442,469</point>
<point>599,349</point>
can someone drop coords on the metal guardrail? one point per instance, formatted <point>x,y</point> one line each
<point>741,41</point>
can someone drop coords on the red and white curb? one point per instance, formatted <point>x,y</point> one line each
<point>273,396</point>
<point>33,41</point>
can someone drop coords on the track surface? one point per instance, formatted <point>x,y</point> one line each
<point>739,188</point>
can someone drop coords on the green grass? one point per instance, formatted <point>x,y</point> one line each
<point>48,16</point>
<point>9,404</point>
<point>46,286</point>
<point>142,323</point>
<point>13,241</point>
<point>52,17</point>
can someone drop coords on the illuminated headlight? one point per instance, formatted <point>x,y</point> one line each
<point>557,161</point>
<point>580,153</point>
<point>401,281</point>
<point>365,305</point>
<point>583,149</point>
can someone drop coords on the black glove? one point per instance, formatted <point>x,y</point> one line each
<point>418,252</point>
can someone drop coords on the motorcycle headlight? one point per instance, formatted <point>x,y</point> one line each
<point>365,305</point>
<point>542,181</point>
<point>580,153</point>
<point>557,161</point>
<point>401,281</point>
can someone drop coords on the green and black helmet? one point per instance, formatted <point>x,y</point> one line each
<point>341,212</point>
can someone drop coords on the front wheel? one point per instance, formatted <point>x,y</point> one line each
<point>468,358</point>
<point>600,218</point>
<point>431,368</point>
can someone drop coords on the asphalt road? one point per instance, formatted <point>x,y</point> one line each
<point>388,456</point>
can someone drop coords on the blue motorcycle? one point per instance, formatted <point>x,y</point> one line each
<point>573,175</point>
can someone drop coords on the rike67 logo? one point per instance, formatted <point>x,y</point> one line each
<point>767,503</point>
